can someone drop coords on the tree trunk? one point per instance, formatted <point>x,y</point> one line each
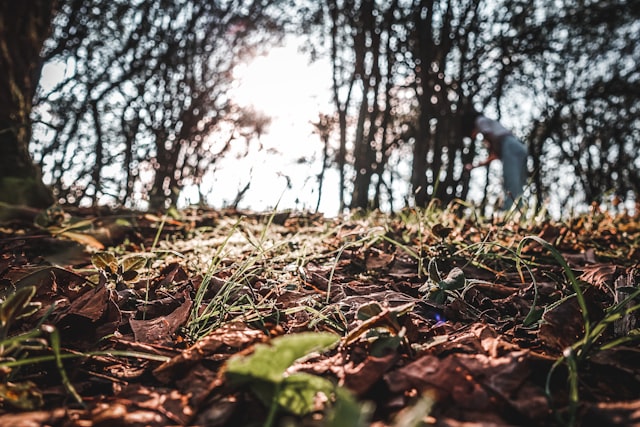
<point>24,26</point>
<point>360,194</point>
<point>166,188</point>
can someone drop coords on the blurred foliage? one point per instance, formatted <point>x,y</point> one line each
<point>144,108</point>
<point>564,75</point>
<point>145,88</point>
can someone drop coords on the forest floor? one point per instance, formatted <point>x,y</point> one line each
<point>224,318</point>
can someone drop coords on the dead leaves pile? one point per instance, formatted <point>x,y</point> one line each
<point>437,318</point>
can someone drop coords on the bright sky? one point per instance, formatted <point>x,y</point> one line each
<point>286,87</point>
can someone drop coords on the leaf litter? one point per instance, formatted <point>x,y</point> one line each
<point>216,318</point>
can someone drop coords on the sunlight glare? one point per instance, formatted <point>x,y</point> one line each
<point>283,83</point>
<point>284,86</point>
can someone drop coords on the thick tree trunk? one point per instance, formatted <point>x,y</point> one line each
<point>24,26</point>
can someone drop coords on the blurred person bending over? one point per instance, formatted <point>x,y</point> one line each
<point>503,145</point>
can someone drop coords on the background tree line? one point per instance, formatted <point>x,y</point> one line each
<point>146,83</point>
<point>144,109</point>
<point>564,75</point>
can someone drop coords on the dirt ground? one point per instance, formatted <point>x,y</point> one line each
<point>419,318</point>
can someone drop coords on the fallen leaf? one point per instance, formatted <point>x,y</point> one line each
<point>161,330</point>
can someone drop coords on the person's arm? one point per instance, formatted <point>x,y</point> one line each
<point>492,156</point>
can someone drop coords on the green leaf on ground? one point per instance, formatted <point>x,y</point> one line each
<point>270,361</point>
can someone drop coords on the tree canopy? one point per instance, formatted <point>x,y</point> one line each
<point>143,107</point>
<point>563,76</point>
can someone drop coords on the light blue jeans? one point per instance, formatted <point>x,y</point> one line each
<point>514,170</point>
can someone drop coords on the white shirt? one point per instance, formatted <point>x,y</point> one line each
<point>491,129</point>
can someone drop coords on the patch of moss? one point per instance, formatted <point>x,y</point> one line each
<point>25,191</point>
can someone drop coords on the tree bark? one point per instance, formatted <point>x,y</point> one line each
<point>24,26</point>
